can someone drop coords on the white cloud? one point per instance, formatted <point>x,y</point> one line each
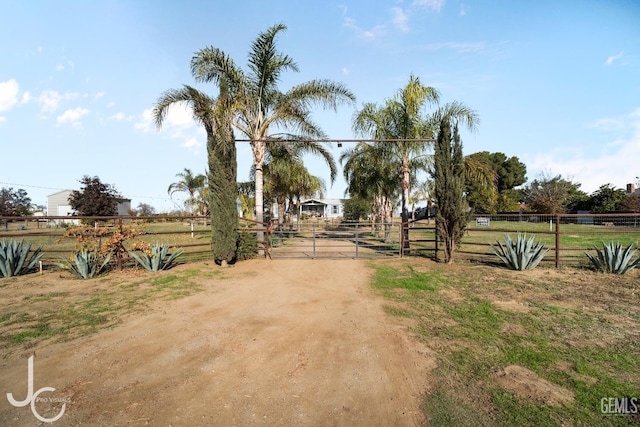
<point>343,8</point>
<point>400,19</point>
<point>346,71</point>
<point>432,4</point>
<point>49,101</point>
<point>72,117</point>
<point>177,124</point>
<point>371,34</point>
<point>615,163</point>
<point>120,116</point>
<point>612,58</point>
<point>59,67</point>
<point>192,144</point>
<point>111,104</point>
<point>145,124</point>
<point>3,120</point>
<point>469,47</point>
<point>463,9</point>
<point>99,95</point>
<point>26,97</point>
<point>8,94</point>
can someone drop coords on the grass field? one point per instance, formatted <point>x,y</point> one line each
<point>575,239</point>
<point>540,348</point>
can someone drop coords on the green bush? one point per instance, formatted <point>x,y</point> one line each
<point>84,264</point>
<point>521,254</point>
<point>614,259</point>
<point>247,246</point>
<point>156,257</point>
<point>15,259</point>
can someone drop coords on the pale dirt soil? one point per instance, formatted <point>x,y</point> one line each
<point>274,343</point>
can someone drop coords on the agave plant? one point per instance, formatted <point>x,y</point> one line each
<point>521,254</point>
<point>84,264</point>
<point>156,257</point>
<point>15,259</point>
<point>614,259</point>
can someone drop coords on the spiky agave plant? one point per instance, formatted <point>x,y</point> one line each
<point>156,257</point>
<point>614,259</point>
<point>84,264</point>
<point>522,254</point>
<point>15,259</point>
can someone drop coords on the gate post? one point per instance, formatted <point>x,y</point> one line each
<point>314,239</point>
<point>356,240</point>
<point>557,240</point>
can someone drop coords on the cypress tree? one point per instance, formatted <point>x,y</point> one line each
<point>223,188</point>
<point>452,213</point>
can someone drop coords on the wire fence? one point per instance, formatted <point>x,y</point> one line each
<point>190,233</point>
<point>568,236</point>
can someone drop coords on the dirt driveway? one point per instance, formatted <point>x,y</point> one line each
<point>276,343</point>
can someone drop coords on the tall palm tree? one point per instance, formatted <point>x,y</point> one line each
<point>259,105</point>
<point>284,169</point>
<point>221,192</point>
<point>190,184</point>
<point>404,118</point>
<point>287,181</point>
<point>371,175</point>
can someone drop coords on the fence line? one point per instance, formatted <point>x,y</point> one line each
<point>189,232</point>
<point>568,236</point>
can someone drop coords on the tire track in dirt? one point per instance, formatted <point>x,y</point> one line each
<point>280,342</point>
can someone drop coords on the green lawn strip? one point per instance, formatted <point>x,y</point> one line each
<point>582,351</point>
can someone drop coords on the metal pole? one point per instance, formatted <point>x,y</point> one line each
<point>314,240</point>
<point>557,240</point>
<point>356,240</point>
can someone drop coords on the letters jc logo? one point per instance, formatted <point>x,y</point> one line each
<point>33,397</point>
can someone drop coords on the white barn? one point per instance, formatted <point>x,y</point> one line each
<point>58,204</point>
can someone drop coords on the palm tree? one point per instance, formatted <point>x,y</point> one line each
<point>403,118</point>
<point>258,104</point>
<point>221,192</point>
<point>190,184</point>
<point>284,169</point>
<point>371,175</point>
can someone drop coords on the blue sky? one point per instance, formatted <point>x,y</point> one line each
<point>556,83</point>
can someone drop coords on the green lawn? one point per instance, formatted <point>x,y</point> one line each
<point>572,331</point>
<point>575,239</point>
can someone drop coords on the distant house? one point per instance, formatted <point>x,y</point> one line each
<point>58,205</point>
<point>322,208</point>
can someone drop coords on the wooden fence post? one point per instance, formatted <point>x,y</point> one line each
<point>118,254</point>
<point>557,240</point>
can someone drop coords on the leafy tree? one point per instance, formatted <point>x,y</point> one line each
<point>95,198</point>
<point>509,172</point>
<point>14,202</point>
<point>607,198</point>
<point>257,103</point>
<point>452,213</point>
<point>144,209</point>
<point>246,195</point>
<point>551,195</point>
<point>190,184</point>
<point>632,203</point>
<point>356,209</point>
